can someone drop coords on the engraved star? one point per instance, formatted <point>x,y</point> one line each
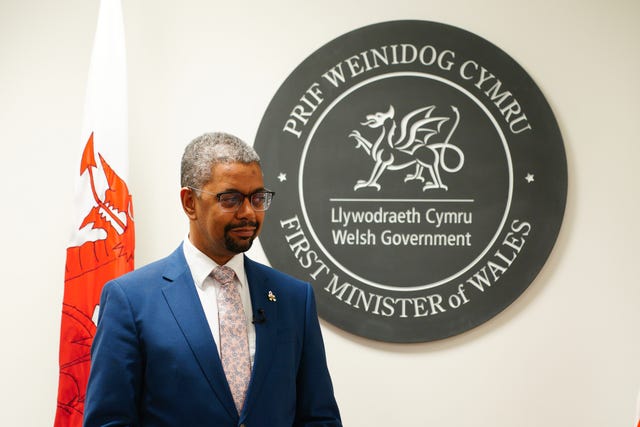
<point>529,178</point>
<point>282,177</point>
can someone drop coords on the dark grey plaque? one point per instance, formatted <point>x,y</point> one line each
<point>421,180</point>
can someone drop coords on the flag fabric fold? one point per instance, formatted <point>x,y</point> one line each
<point>102,241</point>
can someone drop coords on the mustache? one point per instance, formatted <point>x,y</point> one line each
<point>241,224</point>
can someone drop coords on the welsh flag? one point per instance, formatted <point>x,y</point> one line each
<point>638,412</point>
<point>102,240</point>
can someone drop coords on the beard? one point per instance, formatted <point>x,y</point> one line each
<point>240,245</point>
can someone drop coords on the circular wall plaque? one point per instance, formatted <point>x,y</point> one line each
<point>421,180</point>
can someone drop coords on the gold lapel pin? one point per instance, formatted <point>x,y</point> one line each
<point>271,296</point>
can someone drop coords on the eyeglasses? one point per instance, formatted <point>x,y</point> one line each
<point>230,201</point>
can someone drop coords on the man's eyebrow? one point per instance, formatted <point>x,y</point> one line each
<point>235,190</point>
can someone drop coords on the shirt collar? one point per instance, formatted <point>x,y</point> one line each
<point>201,265</point>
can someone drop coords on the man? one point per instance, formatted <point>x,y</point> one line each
<point>184,342</point>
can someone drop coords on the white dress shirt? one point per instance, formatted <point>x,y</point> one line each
<point>207,287</point>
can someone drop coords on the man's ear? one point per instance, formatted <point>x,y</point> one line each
<point>188,199</point>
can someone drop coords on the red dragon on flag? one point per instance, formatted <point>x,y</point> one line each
<point>88,267</point>
<point>102,242</point>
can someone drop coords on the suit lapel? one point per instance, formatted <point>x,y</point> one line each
<point>183,300</point>
<point>265,330</point>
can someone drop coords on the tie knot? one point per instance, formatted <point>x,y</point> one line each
<point>224,274</point>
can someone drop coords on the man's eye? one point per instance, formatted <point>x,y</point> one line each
<point>230,198</point>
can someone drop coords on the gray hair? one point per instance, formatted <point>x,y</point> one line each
<point>208,150</point>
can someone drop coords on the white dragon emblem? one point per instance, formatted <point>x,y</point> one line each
<point>407,145</point>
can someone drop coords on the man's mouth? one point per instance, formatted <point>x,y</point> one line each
<point>244,231</point>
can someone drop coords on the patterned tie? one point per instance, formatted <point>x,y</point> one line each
<point>234,344</point>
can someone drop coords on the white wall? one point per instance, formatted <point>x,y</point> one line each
<point>566,353</point>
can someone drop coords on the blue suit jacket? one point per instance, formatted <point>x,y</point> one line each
<point>155,362</point>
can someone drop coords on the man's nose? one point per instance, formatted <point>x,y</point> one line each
<point>246,210</point>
